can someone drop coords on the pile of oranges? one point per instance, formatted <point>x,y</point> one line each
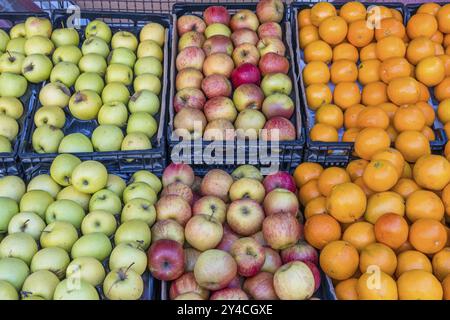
<point>380,225</point>
<point>371,75</point>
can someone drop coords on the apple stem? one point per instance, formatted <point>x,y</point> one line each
<point>129,267</point>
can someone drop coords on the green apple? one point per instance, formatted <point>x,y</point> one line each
<point>67,53</point>
<point>37,68</point>
<point>136,141</point>
<point>95,45</point>
<point>53,259</point>
<point>119,73</point>
<point>16,45</point>
<point>127,255</point>
<point>9,128</point>
<point>144,101</point>
<point>90,81</point>
<point>28,222</point>
<point>41,283</point>
<point>75,289</point>
<point>86,269</point>
<point>65,210</point>
<point>148,82</point>
<point>75,143</point>
<point>116,184</point>
<point>35,26</point>
<point>59,234</point>
<point>70,193</point>
<point>150,48</point>
<point>99,29</point>
<point>93,63</point>
<point>8,209</point>
<point>89,176</point>
<point>85,104</point>
<point>11,106</point>
<point>54,94</point>
<point>135,232</point>
<point>45,183</point>
<point>51,115</point>
<point>142,122</point>
<point>65,72</point>
<point>14,271</point>
<point>12,85</point>
<point>4,39</point>
<point>65,37</point>
<point>31,297</point>
<point>18,31</point>
<point>124,39</point>
<point>62,167</point>
<point>123,284</point>
<point>148,65</point>
<point>46,139</point>
<point>276,83</point>
<point>12,187</point>
<point>139,190</point>
<point>139,209</point>
<point>105,200</point>
<point>38,45</point>
<point>7,291</point>
<point>107,138</point>
<point>115,91</point>
<point>217,29</point>
<point>113,113</point>
<point>99,221</point>
<point>5,145</point>
<point>36,201</point>
<point>153,31</point>
<point>149,178</point>
<point>122,56</point>
<point>95,245</point>
<point>18,245</point>
<point>11,62</point>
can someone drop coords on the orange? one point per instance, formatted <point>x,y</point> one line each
<point>442,90</point>
<point>391,230</point>
<point>446,60</point>
<point>350,135</point>
<point>437,37</point>
<point>339,260</point>
<point>304,18</point>
<point>359,34</point>
<point>380,175</point>
<point>430,71</point>
<point>368,71</point>
<point>378,254</point>
<point>390,27</point>
<point>346,290</point>
<point>368,52</point>
<point>345,51</point>
<point>424,93</point>
<point>308,191</point>
<point>373,117</point>
<point>370,141</point>
<point>389,108</point>
<point>307,34</point>
<point>394,68</point>
<point>396,14</point>
<point>441,263</point>
<point>443,111</point>
<point>403,90</point>
<point>392,133</point>
<point>447,129</point>
<point>355,168</point>
<point>421,25</point>
<point>446,198</point>
<point>443,17</point>
<point>317,95</point>
<point>404,247</point>
<point>316,72</point>
<point>419,48</point>
<point>429,7</point>
<point>378,286</point>
<point>344,71</point>
<point>447,148</point>
<point>360,183</point>
<point>359,234</point>
<point>324,132</point>
<point>315,207</point>
<point>383,203</point>
<point>390,47</point>
<point>374,93</point>
<point>351,115</point>
<point>383,12</point>
<point>446,41</point>
<point>333,30</point>
<point>439,49</point>
<point>407,171</point>
<point>393,156</point>
<point>320,11</point>
<point>321,229</point>
<point>330,114</point>
<point>428,236</point>
<point>330,177</point>
<point>427,111</point>
<point>412,145</point>
<point>405,187</point>
<point>318,51</point>
<point>346,94</point>
<point>419,285</point>
<point>306,171</point>
<point>423,204</point>
<point>409,117</point>
<point>446,287</point>
<point>412,260</point>
<point>352,11</point>
<point>432,172</point>
<point>429,133</point>
<point>346,202</point>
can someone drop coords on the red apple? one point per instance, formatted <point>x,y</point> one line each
<point>279,128</point>
<point>271,44</point>
<point>270,10</point>
<point>211,206</point>
<point>272,261</point>
<point>190,258</point>
<point>188,78</point>
<point>184,284</point>
<point>216,85</point>
<point>173,207</point>
<point>248,96</point>
<point>242,36</point>
<point>215,269</point>
<point>300,252</point>
<point>168,229</point>
<point>191,39</point>
<point>281,200</point>
<point>281,230</point>
<point>245,53</point>
<point>219,130</point>
<point>203,232</point>
<point>189,123</point>
<point>188,23</point>
<point>196,197</point>
<point>220,108</point>
<point>260,287</point>
<point>229,294</point>
<point>278,180</point>
<point>178,189</point>
<point>229,237</point>
<point>218,63</point>
<point>259,237</point>
<point>218,44</point>
<point>316,273</point>
<point>190,57</point>
<point>249,256</point>
<point>245,216</point>
<point>189,97</point>
<point>178,172</point>
<point>244,19</point>
<point>273,63</point>
<point>270,29</point>
<point>245,73</point>
<point>216,183</point>
<point>196,185</point>
<point>216,14</point>
<point>236,282</point>
<point>166,259</point>
<point>294,281</point>
<point>278,105</point>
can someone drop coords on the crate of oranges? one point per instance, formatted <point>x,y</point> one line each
<point>372,77</point>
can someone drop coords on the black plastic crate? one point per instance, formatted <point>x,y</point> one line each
<point>151,159</point>
<point>288,154</point>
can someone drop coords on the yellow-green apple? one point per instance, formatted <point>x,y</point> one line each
<point>99,29</point>
<point>190,57</point>
<point>35,26</point>
<point>215,269</point>
<point>8,208</point>
<point>270,29</point>
<point>16,45</point>
<point>41,283</point>
<point>120,73</point>
<point>273,63</point>
<point>278,105</point>
<point>85,104</point>
<point>54,94</point>
<point>248,96</point>
<point>178,172</point>
<point>281,230</point>
<point>123,56</point>
<point>126,255</point>
<point>148,65</point>
<point>173,207</point>
<point>190,258</point>
<point>36,68</point>
<point>65,72</point>
<point>294,281</point>
<point>140,209</point>
<point>65,37</point>
<point>279,180</point>
<point>218,63</point>
<point>203,232</point>
<point>168,229</point>
<point>178,189</point>
<point>66,290</point>
<point>65,210</point>
<point>153,31</point>
<point>189,123</point>
<point>46,139</point>
<point>220,108</point>
<point>281,200</point>
<point>217,29</point>
<point>247,188</point>
<point>123,284</point>
<point>210,206</point>
<point>245,216</point>
<point>245,53</point>
<point>166,259</point>
<point>9,127</point>
<point>113,113</point>
<point>242,36</point>
<point>12,187</point>
<point>11,62</point>
<point>276,83</point>
<point>271,44</point>
<point>53,259</point>
<point>188,23</point>
<point>124,39</point>
<point>70,193</point>
<point>12,85</point>
<point>148,82</point>
<point>248,123</point>
<point>99,221</point>
<point>147,177</point>
<point>105,200</point>
<point>191,39</point>
<point>13,271</point>
<point>93,63</point>
<point>219,130</point>
<point>139,190</point>
<point>301,251</point>
<point>62,167</point>
<point>116,184</point>
<point>89,176</point>
<point>244,19</point>
<point>86,269</point>
<point>229,294</point>
<point>95,245</point>
<point>67,53</point>
<point>59,234</point>
<point>95,45</point>
<point>270,10</point>
<point>38,45</point>
<point>4,39</point>
<point>115,91</point>
<point>216,14</point>
<point>36,201</point>
<point>279,128</point>
<point>216,183</point>
<point>249,256</point>
<point>142,122</point>
<point>272,261</point>
<point>188,78</point>
<point>150,48</point>
<point>260,286</point>
<point>27,222</point>
<point>11,106</point>
<point>144,101</point>
<point>17,31</point>
<point>216,85</point>
<point>190,98</point>
<point>107,138</point>
<point>136,141</point>
<point>245,73</point>
<point>5,145</point>
<point>218,44</point>
<point>186,284</point>
<point>136,232</point>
